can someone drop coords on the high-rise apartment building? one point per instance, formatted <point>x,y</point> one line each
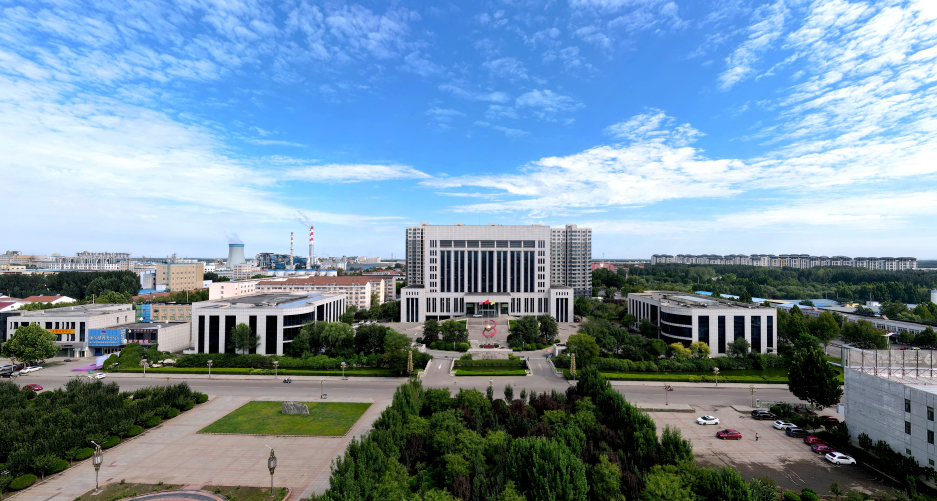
<point>493,270</point>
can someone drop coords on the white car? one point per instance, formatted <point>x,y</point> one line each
<point>99,375</point>
<point>707,420</point>
<point>783,425</point>
<point>27,370</point>
<point>840,458</point>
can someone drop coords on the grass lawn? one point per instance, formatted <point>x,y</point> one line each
<point>282,372</point>
<point>239,493</point>
<point>120,490</point>
<point>778,376</point>
<point>325,419</point>
<point>831,358</point>
<point>489,371</point>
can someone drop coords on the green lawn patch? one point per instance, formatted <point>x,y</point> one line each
<point>770,376</point>
<point>325,419</point>
<point>831,358</point>
<point>488,371</point>
<point>239,493</point>
<point>120,490</point>
<point>262,372</point>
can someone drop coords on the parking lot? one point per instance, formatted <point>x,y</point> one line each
<point>787,460</point>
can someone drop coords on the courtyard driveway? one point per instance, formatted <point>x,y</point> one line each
<point>175,453</point>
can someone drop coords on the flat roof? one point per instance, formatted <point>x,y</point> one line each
<point>266,300</point>
<point>86,310</point>
<point>147,325</point>
<point>689,300</point>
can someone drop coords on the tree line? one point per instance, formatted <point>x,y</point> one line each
<point>74,284</point>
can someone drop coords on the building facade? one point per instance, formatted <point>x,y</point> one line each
<point>180,276</point>
<point>891,396</point>
<point>358,290</point>
<point>799,261</point>
<point>72,325</point>
<point>493,270</point>
<point>233,288</point>
<point>687,318</point>
<point>275,318</point>
<point>99,261</point>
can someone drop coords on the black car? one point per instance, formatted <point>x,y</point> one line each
<point>763,414</point>
<point>796,432</point>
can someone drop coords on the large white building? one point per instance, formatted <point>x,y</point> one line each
<point>799,261</point>
<point>276,318</point>
<point>77,328</point>
<point>686,318</point>
<point>493,270</point>
<point>99,261</point>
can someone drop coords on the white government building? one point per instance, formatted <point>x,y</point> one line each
<point>686,318</point>
<point>800,261</point>
<point>493,270</point>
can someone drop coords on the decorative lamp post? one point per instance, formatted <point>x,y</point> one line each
<point>97,460</point>
<point>716,372</point>
<point>276,373</point>
<point>271,465</point>
<point>209,368</point>
<point>751,388</point>
<point>343,371</point>
<point>321,388</point>
<point>572,365</point>
<point>666,396</point>
<point>144,366</point>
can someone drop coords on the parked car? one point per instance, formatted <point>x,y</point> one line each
<point>796,432</point>
<point>707,420</point>
<point>99,375</point>
<point>68,360</point>
<point>829,419</point>
<point>822,448</point>
<point>33,387</point>
<point>27,370</point>
<point>782,425</point>
<point>729,435</point>
<point>762,414</point>
<point>839,458</point>
<point>810,440</point>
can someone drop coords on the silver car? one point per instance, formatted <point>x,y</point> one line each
<point>707,420</point>
<point>783,425</point>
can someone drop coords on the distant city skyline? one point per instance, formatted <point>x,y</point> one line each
<point>665,126</point>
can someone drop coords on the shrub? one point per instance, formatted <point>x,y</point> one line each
<point>790,496</point>
<point>134,431</point>
<point>808,494</point>
<point>30,394</point>
<point>85,453</point>
<point>200,398</point>
<point>188,406</point>
<point>60,465</point>
<point>22,482</point>
<point>171,413</point>
<point>110,442</point>
<point>466,357</point>
<point>153,421</point>
<point>463,347</point>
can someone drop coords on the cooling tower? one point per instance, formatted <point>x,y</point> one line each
<point>235,255</point>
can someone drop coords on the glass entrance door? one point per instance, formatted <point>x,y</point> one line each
<point>488,310</point>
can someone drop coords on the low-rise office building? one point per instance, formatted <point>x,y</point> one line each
<point>275,318</point>
<point>686,318</point>
<point>891,395</point>
<point>357,289</point>
<point>231,288</point>
<point>180,276</point>
<point>73,324</point>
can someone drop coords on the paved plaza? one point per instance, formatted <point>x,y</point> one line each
<point>175,453</point>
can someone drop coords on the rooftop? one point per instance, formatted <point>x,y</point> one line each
<point>83,310</point>
<point>689,300</point>
<point>265,301</point>
<point>46,299</point>
<point>915,368</point>
<point>343,280</point>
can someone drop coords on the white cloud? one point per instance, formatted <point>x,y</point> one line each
<point>458,89</point>
<point>415,63</point>
<point>762,35</point>
<point>546,103</point>
<point>347,173</point>
<point>496,111</point>
<point>444,114</point>
<point>506,130</point>
<point>508,68</point>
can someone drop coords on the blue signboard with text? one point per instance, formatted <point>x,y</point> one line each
<point>105,337</point>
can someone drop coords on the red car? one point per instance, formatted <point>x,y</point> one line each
<point>810,440</point>
<point>822,448</point>
<point>729,435</point>
<point>34,387</point>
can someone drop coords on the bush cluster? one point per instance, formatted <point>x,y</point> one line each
<point>769,361</point>
<point>443,346</point>
<point>490,363</point>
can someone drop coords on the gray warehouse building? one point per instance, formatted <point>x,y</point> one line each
<point>891,395</point>
<point>276,318</point>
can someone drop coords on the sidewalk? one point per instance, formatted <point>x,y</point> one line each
<point>183,377</point>
<point>699,385</point>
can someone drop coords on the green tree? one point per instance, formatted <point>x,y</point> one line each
<point>544,469</point>
<point>745,297</point>
<point>508,393</point>
<point>549,330</point>
<point>370,338</point>
<point>680,352</point>
<point>454,331</point>
<point>338,338</point>
<point>700,349</point>
<point>430,331</point>
<point>663,484</point>
<point>584,346</point>
<point>526,330</point>
<point>396,347</point>
<point>813,379</point>
<point>863,334</point>
<point>244,338</point>
<point>510,493</point>
<point>29,344</point>
<point>349,316</point>
<point>824,327</point>
<point>893,309</point>
<point>738,348</point>
<point>674,449</point>
<point>606,481</point>
<point>926,338</point>
<point>648,330</point>
<point>582,306</point>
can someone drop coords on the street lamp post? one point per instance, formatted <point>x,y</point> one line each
<point>716,372</point>
<point>751,387</point>
<point>321,388</point>
<point>271,465</point>
<point>666,395</point>
<point>97,460</point>
<point>209,368</point>
<point>343,371</point>
<point>144,366</point>
<point>276,365</point>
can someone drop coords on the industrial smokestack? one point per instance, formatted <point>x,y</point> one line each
<point>235,255</point>
<point>311,251</point>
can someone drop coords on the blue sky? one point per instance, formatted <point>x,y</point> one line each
<point>666,126</point>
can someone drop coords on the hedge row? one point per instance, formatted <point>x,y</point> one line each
<point>490,363</point>
<point>756,362</point>
<point>681,378</point>
<point>443,346</point>
<point>270,372</point>
<point>486,374</point>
